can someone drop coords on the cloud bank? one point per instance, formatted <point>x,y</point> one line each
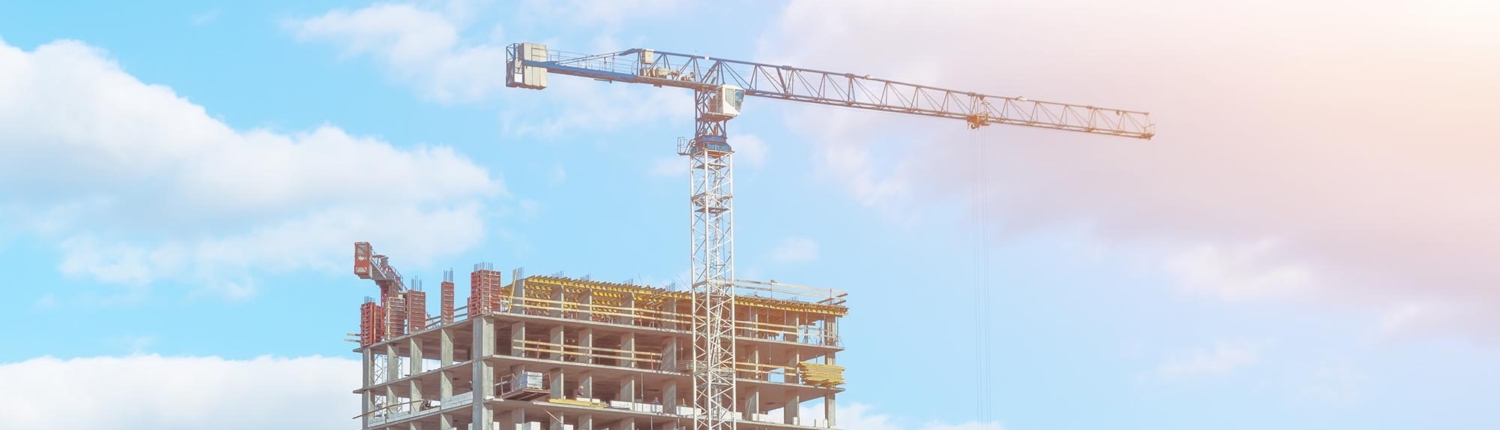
<point>136,184</point>
<point>1305,150</point>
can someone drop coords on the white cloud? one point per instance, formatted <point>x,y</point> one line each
<point>1335,385</point>
<point>1279,136</point>
<point>749,150</point>
<point>137,185</point>
<point>866,417</point>
<point>205,17</point>
<point>155,392</point>
<point>1238,273</point>
<point>421,46</point>
<point>198,392</point>
<point>1224,358</point>
<point>795,250</point>
<point>424,48</point>
<point>674,166</point>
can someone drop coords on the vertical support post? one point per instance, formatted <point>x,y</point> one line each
<point>392,373</point>
<point>484,373</point>
<point>518,302</point>
<point>557,301</point>
<point>627,344</point>
<point>627,389</point>
<point>559,384</point>
<point>445,381</point>
<point>414,345</point>
<point>669,355</point>
<point>518,339</point>
<point>367,362</point>
<point>557,340</point>
<point>752,405</point>
<point>586,345</point>
<point>793,409</point>
<point>669,397</point>
<point>830,404</point>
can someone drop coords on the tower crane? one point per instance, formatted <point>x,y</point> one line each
<point>719,89</point>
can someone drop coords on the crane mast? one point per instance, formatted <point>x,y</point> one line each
<point>719,87</point>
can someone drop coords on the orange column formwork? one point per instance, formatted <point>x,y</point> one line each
<point>489,281</point>
<point>484,289</point>
<point>446,309</point>
<point>416,310</point>
<point>479,297</point>
<point>371,323</point>
<point>396,310</point>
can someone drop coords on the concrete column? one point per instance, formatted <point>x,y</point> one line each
<point>669,398</point>
<point>752,403</point>
<point>517,338</point>
<point>831,332</point>
<point>586,306</point>
<point>517,416</point>
<point>830,406</point>
<point>587,380</point>
<point>484,373</point>
<point>793,409</point>
<point>794,321</point>
<point>627,390</point>
<point>585,422</point>
<point>560,384</point>
<point>669,355</point>
<point>791,376</point>
<point>414,344</point>
<point>445,348</point>
<point>830,410</point>
<point>557,299</point>
<point>586,345</point>
<point>627,344</point>
<point>754,358</point>
<point>517,296</point>
<point>625,424</point>
<point>627,316</point>
<point>445,359</point>
<point>367,361</point>
<point>556,337</point>
<point>392,373</point>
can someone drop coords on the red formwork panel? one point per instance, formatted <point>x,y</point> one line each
<point>490,279</point>
<point>371,323</point>
<point>446,309</point>
<point>484,291</point>
<point>416,310</point>
<point>396,310</point>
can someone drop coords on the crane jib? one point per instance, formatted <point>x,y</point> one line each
<point>700,73</point>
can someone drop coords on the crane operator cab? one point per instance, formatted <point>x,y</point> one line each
<point>726,102</point>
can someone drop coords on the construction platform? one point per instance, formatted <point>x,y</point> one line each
<point>551,352</point>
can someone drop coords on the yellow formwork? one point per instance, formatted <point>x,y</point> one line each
<point>822,375</point>
<point>616,294</point>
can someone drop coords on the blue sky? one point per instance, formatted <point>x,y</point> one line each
<point>182,182</point>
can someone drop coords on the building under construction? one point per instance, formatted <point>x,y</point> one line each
<point>551,352</point>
